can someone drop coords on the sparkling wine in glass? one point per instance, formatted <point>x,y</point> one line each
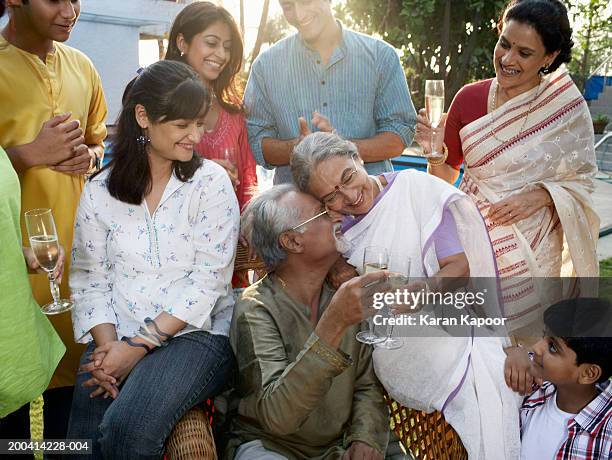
<point>45,245</point>
<point>375,258</point>
<point>434,106</point>
<point>230,155</point>
<point>399,278</point>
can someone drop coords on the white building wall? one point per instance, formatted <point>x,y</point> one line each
<point>108,32</point>
<point>113,49</point>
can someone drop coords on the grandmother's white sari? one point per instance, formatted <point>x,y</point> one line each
<point>461,376</point>
<point>506,153</point>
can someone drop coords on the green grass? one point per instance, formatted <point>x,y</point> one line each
<point>605,271</point>
<point>605,268</point>
<point>36,422</point>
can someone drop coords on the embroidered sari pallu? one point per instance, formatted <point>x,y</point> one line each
<point>505,154</point>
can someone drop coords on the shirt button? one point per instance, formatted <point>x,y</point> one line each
<point>325,104</point>
<point>318,62</point>
<point>323,82</point>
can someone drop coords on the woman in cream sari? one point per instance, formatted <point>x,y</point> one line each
<point>526,142</point>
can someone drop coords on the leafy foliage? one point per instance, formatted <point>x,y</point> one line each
<point>443,39</point>
<point>277,28</point>
<point>593,38</point>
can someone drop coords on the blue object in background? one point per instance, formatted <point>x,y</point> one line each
<point>416,162</point>
<point>595,85</point>
<point>108,154</point>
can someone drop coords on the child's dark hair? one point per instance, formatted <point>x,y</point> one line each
<point>2,7</point>
<point>549,19</point>
<point>168,91</point>
<point>584,325</point>
<point>196,18</point>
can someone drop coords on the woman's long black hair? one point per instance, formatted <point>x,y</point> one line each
<point>168,91</point>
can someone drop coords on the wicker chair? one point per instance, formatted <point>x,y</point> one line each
<point>427,436</point>
<point>192,438</point>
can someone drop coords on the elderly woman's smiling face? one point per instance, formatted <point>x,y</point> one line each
<point>342,185</point>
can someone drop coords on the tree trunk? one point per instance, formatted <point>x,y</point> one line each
<point>242,18</point>
<point>261,31</point>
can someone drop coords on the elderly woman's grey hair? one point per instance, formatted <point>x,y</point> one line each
<point>314,149</point>
<point>263,221</point>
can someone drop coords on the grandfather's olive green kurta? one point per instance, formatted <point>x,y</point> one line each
<point>298,395</point>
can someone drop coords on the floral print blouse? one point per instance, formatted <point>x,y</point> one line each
<point>128,264</point>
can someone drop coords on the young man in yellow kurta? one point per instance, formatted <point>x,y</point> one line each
<point>52,113</point>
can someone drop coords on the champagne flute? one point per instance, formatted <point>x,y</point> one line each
<point>399,278</point>
<point>375,258</point>
<point>434,106</point>
<point>229,155</point>
<point>44,244</point>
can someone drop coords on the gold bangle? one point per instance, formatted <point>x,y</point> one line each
<point>440,161</point>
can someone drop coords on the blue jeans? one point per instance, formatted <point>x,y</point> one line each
<point>164,385</point>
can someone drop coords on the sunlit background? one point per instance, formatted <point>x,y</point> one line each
<point>252,15</point>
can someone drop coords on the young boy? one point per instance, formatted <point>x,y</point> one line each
<point>570,416</point>
<point>52,125</point>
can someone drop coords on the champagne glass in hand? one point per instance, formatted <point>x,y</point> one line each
<point>434,106</point>
<point>231,165</point>
<point>44,244</point>
<point>399,278</point>
<point>375,258</point>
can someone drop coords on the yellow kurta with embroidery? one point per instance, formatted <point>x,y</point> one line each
<point>32,92</point>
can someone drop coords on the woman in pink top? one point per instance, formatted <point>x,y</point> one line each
<point>206,37</point>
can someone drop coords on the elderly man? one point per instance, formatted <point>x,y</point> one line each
<point>327,72</point>
<point>306,386</point>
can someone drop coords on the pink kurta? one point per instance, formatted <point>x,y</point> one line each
<point>231,132</point>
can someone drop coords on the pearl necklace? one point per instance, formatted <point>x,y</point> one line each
<point>494,107</point>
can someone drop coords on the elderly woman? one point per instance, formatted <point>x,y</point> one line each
<point>415,215</point>
<point>526,142</point>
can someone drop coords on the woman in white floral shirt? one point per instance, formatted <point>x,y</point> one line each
<point>152,262</point>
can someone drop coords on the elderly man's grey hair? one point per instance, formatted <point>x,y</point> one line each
<point>263,221</point>
<point>314,149</point>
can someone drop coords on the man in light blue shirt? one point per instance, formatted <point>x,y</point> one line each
<point>327,71</point>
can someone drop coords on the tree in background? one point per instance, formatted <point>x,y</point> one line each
<point>261,30</point>
<point>276,29</point>
<point>438,39</point>
<point>269,32</point>
<point>592,35</point>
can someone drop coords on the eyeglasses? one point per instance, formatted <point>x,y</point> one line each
<point>331,198</point>
<point>322,213</point>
